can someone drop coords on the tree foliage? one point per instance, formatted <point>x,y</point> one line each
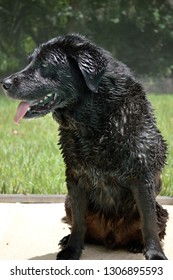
<point>138,32</point>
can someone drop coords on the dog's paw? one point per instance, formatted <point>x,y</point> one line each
<point>63,242</point>
<point>154,255</point>
<point>135,247</point>
<point>69,253</point>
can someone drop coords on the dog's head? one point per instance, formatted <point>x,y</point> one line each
<point>58,72</point>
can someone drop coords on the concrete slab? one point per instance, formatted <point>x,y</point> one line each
<point>32,231</point>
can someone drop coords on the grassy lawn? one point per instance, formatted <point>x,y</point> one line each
<point>163,105</point>
<point>31,162</point>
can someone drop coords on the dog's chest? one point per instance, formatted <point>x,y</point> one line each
<point>88,148</point>
<point>93,163</point>
<point>107,194</point>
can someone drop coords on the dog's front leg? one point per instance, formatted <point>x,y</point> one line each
<point>144,195</point>
<point>78,198</point>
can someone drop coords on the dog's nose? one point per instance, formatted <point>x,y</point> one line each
<point>6,83</point>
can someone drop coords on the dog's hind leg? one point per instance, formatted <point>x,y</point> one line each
<point>144,195</point>
<point>63,242</point>
<point>162,217</point>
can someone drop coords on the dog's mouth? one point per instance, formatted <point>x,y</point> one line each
<point>36,108</point>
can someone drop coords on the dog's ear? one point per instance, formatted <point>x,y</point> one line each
<point>92,66</point>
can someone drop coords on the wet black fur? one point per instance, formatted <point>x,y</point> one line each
<point>113,151</point>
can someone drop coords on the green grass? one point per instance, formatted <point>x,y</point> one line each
<point>28,153</point>
<point>29,150</point>
<point>163,105</point>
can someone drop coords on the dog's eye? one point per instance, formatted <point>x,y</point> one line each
<point>44,64</point>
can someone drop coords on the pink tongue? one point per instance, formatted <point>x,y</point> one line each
<point>21,111</point>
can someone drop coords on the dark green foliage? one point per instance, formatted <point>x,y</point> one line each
<point>139,33</point>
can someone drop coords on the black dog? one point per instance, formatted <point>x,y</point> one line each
<point>113,151</point>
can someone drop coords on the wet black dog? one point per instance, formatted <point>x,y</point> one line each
<point>113,151</point>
